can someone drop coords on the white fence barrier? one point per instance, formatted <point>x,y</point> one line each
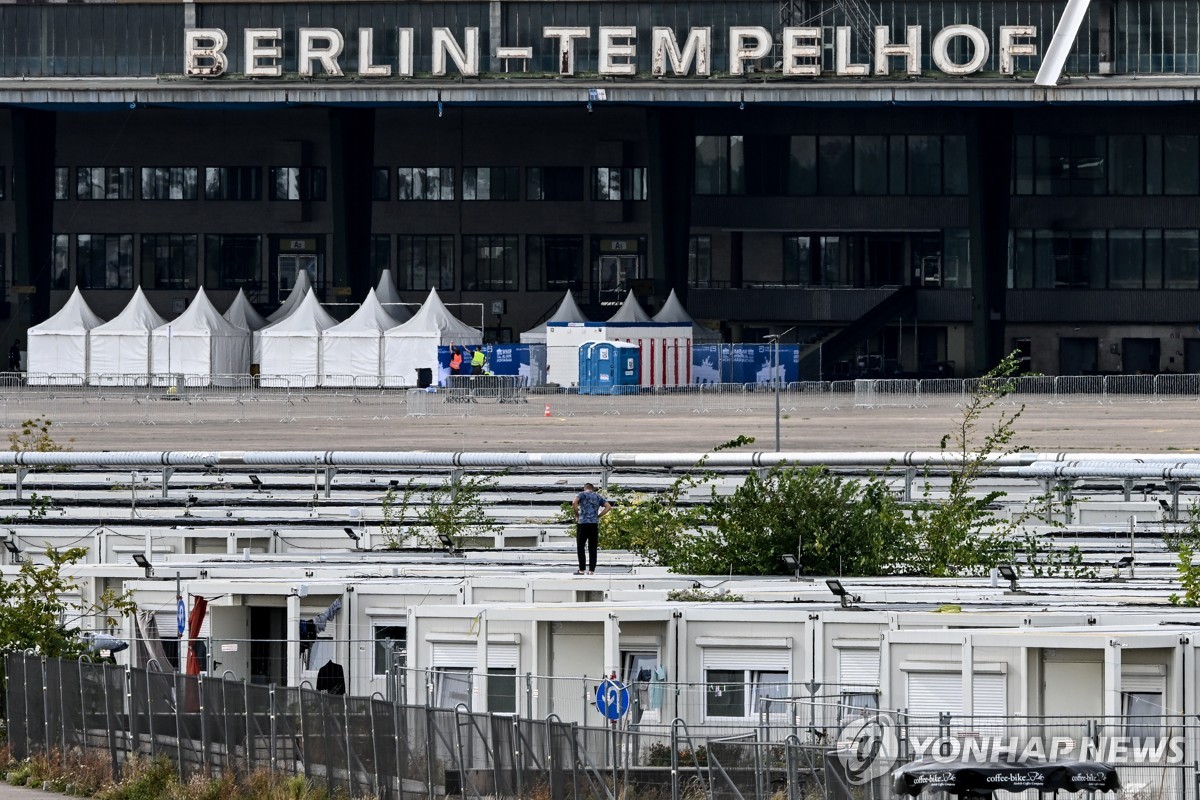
<point>149,400</point>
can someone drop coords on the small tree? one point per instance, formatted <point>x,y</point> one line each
<point>454,508</point>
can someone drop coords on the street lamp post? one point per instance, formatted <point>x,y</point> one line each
<point>775,337</point>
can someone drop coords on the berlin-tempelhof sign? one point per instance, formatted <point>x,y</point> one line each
<point>321,50</point>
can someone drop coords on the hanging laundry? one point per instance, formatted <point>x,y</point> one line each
<point>658,683</point>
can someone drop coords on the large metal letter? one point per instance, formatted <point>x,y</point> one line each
<point>332,44</point>
<point>740,49</point>
<point>566,45</point>
<point>366,56</point>
<point>794,51</point>
<point>841,55</point>
<point>466,58</point>
<point>204,52</point>
<point>1060,42</point>
<point>664,47</point>
<point>1009,49</point>
<point>610,51</point>
<point>404,52</point>
<point>255,51</point>
<point>910,51</point>
<point>941,49</point>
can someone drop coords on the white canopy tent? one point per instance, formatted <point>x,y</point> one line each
<point>389,298</point>
<point>293,301</point>
<point>630,311</point>
<point>414,345</point>
<point>58,348</point>
<point>290,350</point>
<point>673,311</point>
<point>201,346</point>
<point>119,350</point>
<point>567,311</point>
<point>352,351</point>
<point>242,313</point>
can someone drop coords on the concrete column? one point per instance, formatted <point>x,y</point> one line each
<point>479,686</point>
<point>1112,679</point>
<point>612,645</point>
<point>352,160</point>
<point>293,639</point>
<point>968,677</point>
<point>989,170</point>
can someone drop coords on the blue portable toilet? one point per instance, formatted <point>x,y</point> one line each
<point>586,372</point>
<point>612,367</point>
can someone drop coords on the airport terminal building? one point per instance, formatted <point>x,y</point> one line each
<point>877,179</point>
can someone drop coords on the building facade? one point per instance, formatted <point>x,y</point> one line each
<point>883,182</point>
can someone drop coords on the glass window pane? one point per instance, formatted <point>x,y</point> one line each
<point>1125,259</point>
<point>835,165</point>
<point>1088,165</point>
<point>802,166</point>
<point>502,690</point>
<point>1126,163</point>
<point>453,687</point>
<point>954,152</point>
<point>1181,260</point>
<point>1181,165</point>
<point>870,165</point>
<point>390,643</point>
<point>924,165</point>
<point>725,693</point>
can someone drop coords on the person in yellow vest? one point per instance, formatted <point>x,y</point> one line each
<point>477,361</point>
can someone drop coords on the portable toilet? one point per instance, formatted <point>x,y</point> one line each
<point>586,373</point>
<point>613,367</point>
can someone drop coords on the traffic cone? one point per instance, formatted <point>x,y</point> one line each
<point>547,410</point>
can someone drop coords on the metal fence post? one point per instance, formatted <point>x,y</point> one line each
<point>131,714</point>
<point>205,750</point>
<point>46,707</point>
<point>428,748</point>
<point>274,743</point>
<point>247,744</point>
<point>529,695</point>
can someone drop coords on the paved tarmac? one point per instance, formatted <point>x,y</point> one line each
<point>1121,426</point>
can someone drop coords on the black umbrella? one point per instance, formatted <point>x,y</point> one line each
<point>981,778</point>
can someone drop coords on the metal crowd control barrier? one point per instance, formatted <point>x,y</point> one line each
<point>260,400</point>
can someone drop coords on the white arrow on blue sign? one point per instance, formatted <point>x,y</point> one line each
<point>612,699</point>
<point>181,616</point>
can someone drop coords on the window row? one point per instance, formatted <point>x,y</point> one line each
<point>1125,165</point>
<point>167,261</point>
<point>503,183</point>
<point>490,262</point>
<point>182,183</point>
<point>834,165</point>
<point>1099,259</point>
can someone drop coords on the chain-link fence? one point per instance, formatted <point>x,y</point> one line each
<point>149,400</point>
<point>813,746</point>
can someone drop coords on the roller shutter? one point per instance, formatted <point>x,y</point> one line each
<point>933,693</point>
<point>768,660</point>
<point>463,654</point>
<point>858,667</point>
<point>989,693</point>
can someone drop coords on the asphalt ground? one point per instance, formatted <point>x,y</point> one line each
<point>1120,426</point>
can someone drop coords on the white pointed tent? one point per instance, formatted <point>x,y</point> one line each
<point>242,313</point>
<point>58,347</point>
<point>414,345</point>
<point>352,351</point>
<point>389,298</point>
<point>630,311</point>
<point>290,349</point>
<point>119,350</point>
<point>293,301</point>
<point>201,346</point>
<point>567,311</point>
<point>673,311</point>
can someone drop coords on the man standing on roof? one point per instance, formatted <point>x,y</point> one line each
<point>477,360</point>
<point>589,508</point>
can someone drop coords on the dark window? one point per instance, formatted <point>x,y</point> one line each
<point>924,165</point>
<point>502,690</point>
<point>1125,259</point>
<point>559,184</point>
<point>232,183</point>
<point>381,257</point>
<point>954,162</point>
<point>553,262</point>
<point>425,183</point>
<point>619,183</point>
<point>802,165</point>
<point>835,169</point>
<point>60,277</point>
<point>169,183</point>
<point>425,262</point>
<point>1088,165</point>
<point>390,647</point>
<point>489,263</point>
<point>297,183</point>
<point>62,183</point>
<point>3,184</point>
<point>719,165</point>
<point>104,261</point>
<point>169,260</point>
<point>381,183</point>
<point>1126,166</point>
<point>797,260</point>
<point>699,261</point>
<point>870,165</point>
<point>233,261</point>
<point>1181,260</point>
<point>491,183</point>
<point>104,183</point>
<point>1181,165</point>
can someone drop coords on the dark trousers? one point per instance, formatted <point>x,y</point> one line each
<point>587,534</point>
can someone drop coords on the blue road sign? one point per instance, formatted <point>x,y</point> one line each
<point>612,699</point>
<point>181,616</point>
